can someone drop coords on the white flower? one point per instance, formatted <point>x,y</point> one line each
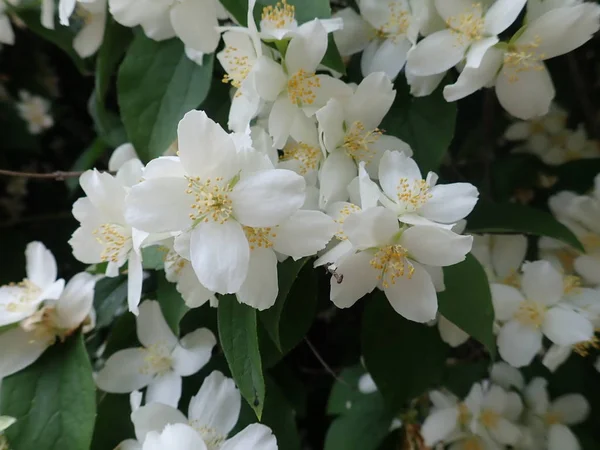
<point>104,235</point>
<point>536,311</point>
<point>93,14</point>
<point>392,257</point>
<point>349,133</point>
<point>471,31</point>
<point>192,21</point>
<point>21,300</point>
<point>420,201</point>
<point>523,84</point>
<point>551,421</point>
<point>7,35</point>
<point>450,333</point>
<point>501,255</point>
<point>35,111</point>
<point>220,196</point>
<point>21,346</point>
<point>162,361</point>
<point>550,124</point>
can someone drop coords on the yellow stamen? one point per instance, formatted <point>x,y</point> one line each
<point>211,199</point>
<point>308,156</point>
<point>238,67</point>
<point>468,26</point>
<point>392,261</point>
<point>260,237</point>
<point>279,16</point>
<point>300,88</point>
<point>358,141</point>
<point>522,58</point>
<point>114,241</point>
<point>531,313</point>
<point>415,196</point>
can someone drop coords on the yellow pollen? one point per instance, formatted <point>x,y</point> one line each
<point>238,67</point>
<point>157,360</point>
<point>571,283</point>
<point>531,313</point>
<point>279,16</point>
<point>25,292</point>
<point>300,88</point>
<point>489,418</point>
<point>211,199</point>
<point>392,261</point>
<point>522,58</point>
<point>308,156</point>
<point>341,218</point>
<point>260,237</point>
<point>468,26</point>
<point>583,348</point>
<point>397,23</point>
<point>415,196</point>
<point>358,141</point>
<point>113,240</point>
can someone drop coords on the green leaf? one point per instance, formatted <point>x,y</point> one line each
<point>110,296</point>
<point>287,272</point>
<point>108,125</point>
<point>424,123</point>
<point>114,45</point>
<point>460,377</point>
<point>490,217</point>
<point>85,161</point>
<point>113,422</point>
<point>153,257</point>
<point>157,84</point>
<point>395,355</point>
<point>171,303</point>
<point>239,340</point>
<point>470,308</point>
<point>345,394</point>
<point>53,400</point>
<point>122,335</point>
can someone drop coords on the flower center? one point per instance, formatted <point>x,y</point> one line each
<point>357,141</point>
<point>300,88</point>
<point>211,437</point>
<point>512,279</point>
<point>174,264</point>
<point>342,215</point>
<point>307,155</point>
<point>553,418</point>
<point>279,16</point>
<point>157,360</point>
<point>522,58</point>
<point>392,261</point>
<point>115,241</point>
<point>531,313</point>
<point>468,26</point>
<point>413,195</point>
<point>238,67</point>
<point>489,418</point>
<point>43,325</point>
<point>211,200</point>
<point>397,23</point>
<point>26,292</point>
<point>583,348</point>
<point>260,237</point>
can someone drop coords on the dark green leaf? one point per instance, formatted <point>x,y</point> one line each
<point>239,339</point>
<point>424,123</point>
<point>577,176</point>
<point>460,377</point>
<point>490,217</point>
<point>108,125</point>
<point>403,357</point>
<point>114,45</point>
<point>157,84</point>
<point>110,296</point>
<point>171,303</point>
<point>85,161</point>
<point>344,395</point>
<point>469,309</point>
<point>53,400</point>
<point>113,423</point>
<point>123,335</point>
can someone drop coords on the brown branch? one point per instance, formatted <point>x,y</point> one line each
<point>326,366</point>
<point>58,175</point>
<point>583,95</point>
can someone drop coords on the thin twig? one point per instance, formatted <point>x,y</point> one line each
<point>583,95</point>
<point>326,366</point>
<point>58,175</point>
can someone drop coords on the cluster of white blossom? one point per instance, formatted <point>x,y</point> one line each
<point>504,412</point>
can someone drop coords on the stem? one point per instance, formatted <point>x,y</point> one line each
<point>326,366</point>
<point>59,175</point>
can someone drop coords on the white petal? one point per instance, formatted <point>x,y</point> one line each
<point>450,8</point>
<point>123,372</point>
<point>506,300</point>
<point>423,86</point>
<point>373,227</point>
<point>220,255</point>
<point>89,39</point>
<point>165,389</point>
<point>392,167</point>
<point>528,94</point>
<point>41,265</point>
<point>556,356</point>
<point>304,234</point>
<point>355,35</point>
<point>450,333</point>
<point>439,425</point>
<point>518,344</point>
<point>435,246</point>
<point>589,268</point>
<point>505,432</point>
<point>267,198</point>
<point>270,78</point>
<point>164,167</point>
<point>76,301</point>
<point>307,48</point>
<point>561,437</point>
<point>502,14</point>
<point>542,282</point>
<point>159,205</point>
<point>331,123</point>
<point>120,155</point>
<point>508,253</point>
<point>65,9</point>
<point>371,101</point>
<point>7,35</point>
<point>152,327</point>
<point>19,350</point>
<point>216,406</point>
<point>566,327</point>
<point>154,417</point>
<point>436,53</point>
<point>358,278</point>
<point>536,396</point>
<point>389,57</point>
<point>260,288</point>
<point>254,436</point>
<point>572,409</point>
<point>105,193</point>
<point>135,279</point>
<point>413,297</point>
<point>335,175</point>
<point>174,437</point>
<point>478,49</point>
<point>193,352</point>
<point>195,24</point>
<point>507,376</point>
